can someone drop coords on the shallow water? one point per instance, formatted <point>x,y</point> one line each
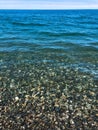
<point>49,65</point>
<point>67,35</point>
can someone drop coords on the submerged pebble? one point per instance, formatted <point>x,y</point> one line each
<point>49,102</point>
<point>16,98</point>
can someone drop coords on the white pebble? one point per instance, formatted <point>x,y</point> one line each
<point>16,98</point>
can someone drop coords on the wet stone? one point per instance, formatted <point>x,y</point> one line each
<point>48,97</point>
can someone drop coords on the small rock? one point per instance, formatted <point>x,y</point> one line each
<point>11,85</point>
<point>71,122</point>
<point>16,98</point>
<point>97,114</point>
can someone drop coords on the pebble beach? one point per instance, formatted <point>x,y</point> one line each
<point>44,97</point>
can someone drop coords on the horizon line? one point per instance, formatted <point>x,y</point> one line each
<point>54,9</point>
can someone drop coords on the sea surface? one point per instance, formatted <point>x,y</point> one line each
<point>49,69</point>
<point>61,37</point>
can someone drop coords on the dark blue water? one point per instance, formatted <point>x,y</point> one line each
<point>60,37</point>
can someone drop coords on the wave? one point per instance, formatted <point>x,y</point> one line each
<point>63,34</point>
<point>94,43</point>
<point>28,24</point>
<point>89,22</point>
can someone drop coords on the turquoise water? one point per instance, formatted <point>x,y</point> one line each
<point>64,37</point>
<point>49,69</point>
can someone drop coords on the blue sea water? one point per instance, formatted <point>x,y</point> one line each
<point>67,38</point>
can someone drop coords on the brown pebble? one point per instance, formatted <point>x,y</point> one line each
<point>97,114</point>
